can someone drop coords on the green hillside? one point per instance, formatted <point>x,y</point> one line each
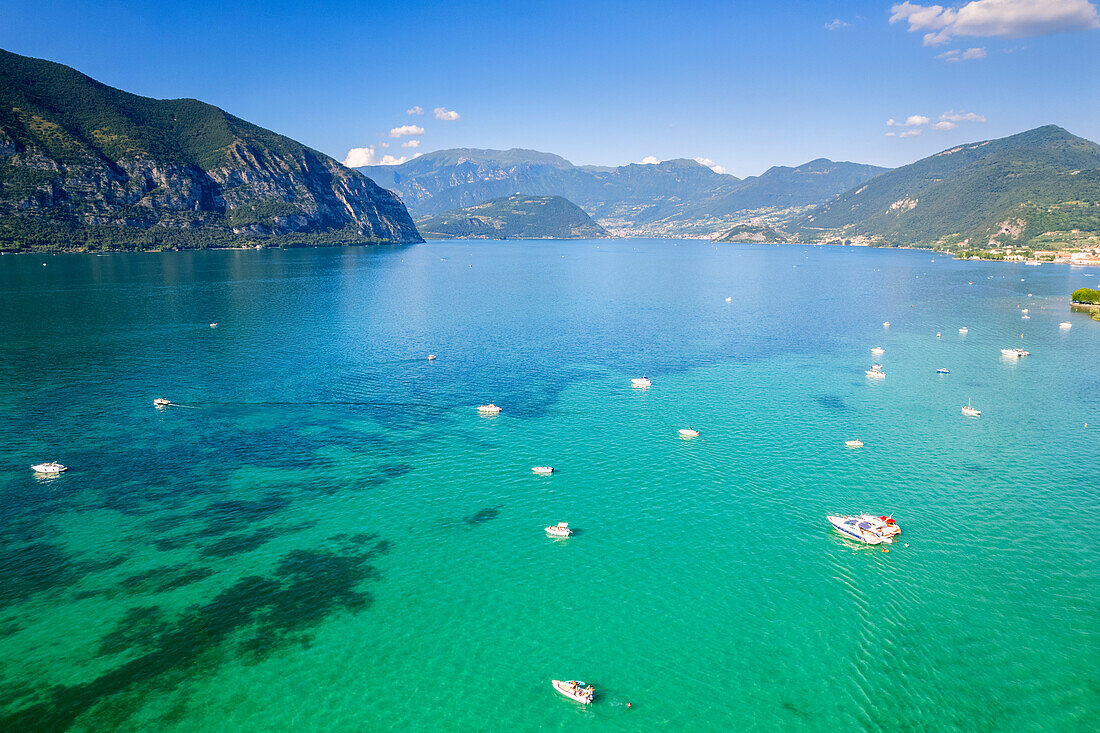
<point>80,161</point>
<point>514,217</point>
<point>1010,190</point>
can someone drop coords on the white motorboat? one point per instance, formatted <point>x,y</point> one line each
<point>1015,353</point>
<point>886,324</point>
<point>1033,263</point>
<point>878,350</point>
<point>1026,318</point>
<point>942,370</point>
<point>542,470</point>
<point>51,467</point>
<point>640,382</point>
<point>1025,310</point>
<point>575,690</point>
<point>161,402</point>
<point>854,443</point>
<point>729,300</point>
<point>1065,324</point>
<point>963,330</point>
<point>431,357</point>
<point>561,529</point>
<point>938,334</point>
<point>970,411</point>
<point>688,433</point>
<point>875,373</point>
<point>214,325</point>
<point>489,409</point>
<point>866,528</point>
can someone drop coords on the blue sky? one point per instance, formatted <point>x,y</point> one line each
<point>745,85</point>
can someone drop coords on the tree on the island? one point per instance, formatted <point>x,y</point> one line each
<point>1086,295</point>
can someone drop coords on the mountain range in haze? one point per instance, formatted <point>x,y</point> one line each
<point>672,198</point>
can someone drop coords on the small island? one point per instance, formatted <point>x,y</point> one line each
<point>514,217</point>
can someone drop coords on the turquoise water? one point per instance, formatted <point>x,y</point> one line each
<point>326,536</point>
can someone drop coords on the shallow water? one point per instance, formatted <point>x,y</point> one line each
<point>325,535</point>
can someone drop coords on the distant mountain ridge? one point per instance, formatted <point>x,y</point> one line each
<point>81,159</point>
<point>672,197</point>
<point>1009,190</point>
<point>514,217</point>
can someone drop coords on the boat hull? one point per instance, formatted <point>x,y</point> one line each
<point>564,688</point>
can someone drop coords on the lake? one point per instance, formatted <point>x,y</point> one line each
<point>323,534</point>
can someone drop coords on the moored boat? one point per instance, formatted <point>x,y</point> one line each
<point>886,324</point>
<point>688,433</point>
<point>943,370</point>
<point>542,470</point>
<point>50,467</point>
<point>878,350</point>
<point>561,529</point>
<point>641,382</point>
<point>971,411</point>
<point>854,443</point>
<point>1065,324</point>
<point>489,409</point>
<point>1015,353</point>
<point>874,373</point>
<point>865,528</point>
<point>963,330</point>
<point>214,324</point>
<point>575,690</point>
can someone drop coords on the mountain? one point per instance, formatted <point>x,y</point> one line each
<point>80,161</point>
<point>514,217</point>
<point>673,197</point>
<point>1013,189</point>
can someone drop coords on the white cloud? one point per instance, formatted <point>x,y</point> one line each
<point>650,160</point>
<point>915,124</point>
<point>910,121</point>
<point>1002,18</point>
<point>357,157</point>
<point>836,24</point>
<point>448,115</point>
<point>954,56</point>
<point>954,116</point>
<point>417,110</point>
<point>710,164</point>
<point>414,143</point>
<point>406,131</point>
<point>383,145</point>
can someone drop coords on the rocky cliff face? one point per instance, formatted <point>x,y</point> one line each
<point>75,152</point>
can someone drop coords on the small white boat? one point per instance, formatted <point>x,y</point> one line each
<point>1065,324</point>
<point>1026,318</point>
<point>1015,353</point>
<point>963,330</point>
<point>878,350</point>
<point>854,443</point>
<point>1026,310</point>
<point>489,409</point>
<point>689,433</point>
<point>161,402</point>
<point>214,324</point>
<point>938,334</point>
<point>1033,263</point>
<point>640,382</point>
<point>866,528</point>
<point>729,300</point>
<point>542,470</point>
<point>575,690</point>
<point>51,467</point>
<point>886,324</point>
<point>431,357</point>
<point>875,373</point>
<point>561,529</point>
<point>877,367</point>
<point>943,370</point>
<point>970,411</point>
